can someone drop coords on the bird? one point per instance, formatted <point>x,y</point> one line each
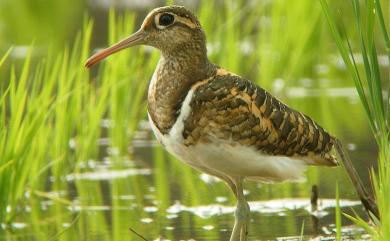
<point>216,121</point>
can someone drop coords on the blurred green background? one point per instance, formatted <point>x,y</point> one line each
<point>78,160</point>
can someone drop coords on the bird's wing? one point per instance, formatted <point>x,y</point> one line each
<point>228,107</point>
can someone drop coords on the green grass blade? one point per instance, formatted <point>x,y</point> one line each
<point>5,56</point>
<point>362,41</point>
<point>382,25</point>
<point>6,165</point>
<point>338,215</point>
<point>302,230</point>
<point>362,93</point>
<point>372,100</point>
<point>345,54</point>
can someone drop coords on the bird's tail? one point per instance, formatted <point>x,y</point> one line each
<point>368,201</point>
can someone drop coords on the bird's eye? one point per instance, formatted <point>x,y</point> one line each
<point>166,19</point>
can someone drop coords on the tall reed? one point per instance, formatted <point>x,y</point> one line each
<point>371,86</point>
<point>51,114</point>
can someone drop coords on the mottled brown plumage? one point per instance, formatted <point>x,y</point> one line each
<point>229,107</point>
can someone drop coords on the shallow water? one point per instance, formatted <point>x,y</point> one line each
<point>161,198</point>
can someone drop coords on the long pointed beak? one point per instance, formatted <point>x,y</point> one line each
<point>134,39</point>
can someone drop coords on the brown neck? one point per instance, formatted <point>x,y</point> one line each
<point>176,72</point>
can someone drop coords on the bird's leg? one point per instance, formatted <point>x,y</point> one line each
<point>241,214</point>
<point>243,211</point>
<point>231,184</point>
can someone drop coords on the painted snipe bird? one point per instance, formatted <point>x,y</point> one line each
<point>219,122</point>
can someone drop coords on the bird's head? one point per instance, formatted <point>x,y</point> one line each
<point>166,28</point>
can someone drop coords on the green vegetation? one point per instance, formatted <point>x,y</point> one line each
<point>338,215</point>
<point>371,85</point>
<point>60,122</point>
<point>24,21</point>
<point>45,108</point>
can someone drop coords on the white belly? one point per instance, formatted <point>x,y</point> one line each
<point>223,157</point>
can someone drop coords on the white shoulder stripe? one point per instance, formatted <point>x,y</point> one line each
<point>176,132</point>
